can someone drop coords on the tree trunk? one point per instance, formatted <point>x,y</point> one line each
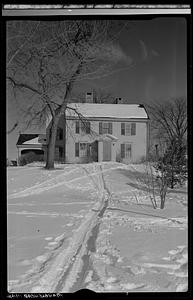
<point>163,194</point>
<point>51,146</point>
<point>162,203</point>
<point>172,177</point>
<point>65,136</point>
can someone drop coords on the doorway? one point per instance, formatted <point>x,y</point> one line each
<point>106,150</point>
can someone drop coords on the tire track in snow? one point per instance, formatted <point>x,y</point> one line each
<point>45,187</point>
<point>32,189</point>
<point>62,271</point>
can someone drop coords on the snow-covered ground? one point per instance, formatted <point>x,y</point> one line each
<point>136,248</point>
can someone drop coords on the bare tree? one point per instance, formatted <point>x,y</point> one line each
<point>169,119</point>
<point>46,59</point>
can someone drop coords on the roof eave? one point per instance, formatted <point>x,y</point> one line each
<point>108,118</point>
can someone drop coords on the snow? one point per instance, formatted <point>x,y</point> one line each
<point>138,248</point>
<point>33,141</point>
<point>92,110</point>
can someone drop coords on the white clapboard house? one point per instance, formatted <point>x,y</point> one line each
<point>100,132</point>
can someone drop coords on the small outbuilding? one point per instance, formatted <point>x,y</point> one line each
<point>31,143</point>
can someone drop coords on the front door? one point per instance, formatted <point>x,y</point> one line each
<point>106,151</point>
<point>94,151</point>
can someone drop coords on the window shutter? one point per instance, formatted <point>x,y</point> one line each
<point>88,150</point>
<point>122,150</point>
<point>122,128</point>
<point>133,128</point>
<point>100,128</point>
<point>110,128</point>
<point>61,134</point>
<point>77,149</point>
<point>77,126</point>
<point>88,127</point>
<point>60,152</point>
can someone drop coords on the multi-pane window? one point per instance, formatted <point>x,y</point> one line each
<point>81,149</point>
<point>128,129</point>
<point>126,150</point>
<point>82,127</point>
<point>105,127</point>
<point>59,136</point>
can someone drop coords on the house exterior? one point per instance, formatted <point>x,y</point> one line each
<point>102,132</point>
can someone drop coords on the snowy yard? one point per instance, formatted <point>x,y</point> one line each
<point>131,248</point>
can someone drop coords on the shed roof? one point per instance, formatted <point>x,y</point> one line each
<point>93,110</point>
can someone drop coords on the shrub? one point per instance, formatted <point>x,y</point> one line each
<point>173,164</point>
<point>171,168</point>
<point>30,157</point>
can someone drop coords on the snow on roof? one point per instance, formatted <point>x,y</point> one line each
<point>33,141</point>
<point>23,137</point>
<point>124,111</point>
<point>107,137</point>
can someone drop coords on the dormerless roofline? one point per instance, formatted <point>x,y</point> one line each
<point>109,119</point>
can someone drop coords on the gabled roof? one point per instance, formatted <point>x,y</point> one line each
<point>93,110</point>
<point>26,137</point>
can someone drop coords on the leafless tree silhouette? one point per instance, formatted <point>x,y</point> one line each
<point>169,119</point>
<point>45,59</point>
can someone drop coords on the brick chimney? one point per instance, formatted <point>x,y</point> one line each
<point>89,97</point>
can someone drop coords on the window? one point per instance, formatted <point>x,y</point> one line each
<point>81,149</point>
<point>122,128</point>
<point>105,127</point>
<point>133,128</point>
<point>82,127</point>
<point>128,129</point>
<point>77,149</point>
<point>126,151</point>
<point>77,127</point>
<point>59,136</point>
<point>60,152</point>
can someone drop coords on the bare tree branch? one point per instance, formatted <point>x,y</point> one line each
<point>53,58</point>
<point>169,119</point>
<point>22,45</point>
<point>13,128</point>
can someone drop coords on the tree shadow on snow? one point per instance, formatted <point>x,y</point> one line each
<point>132,174</point>
<point>173,191</point>
<point>144,188</point>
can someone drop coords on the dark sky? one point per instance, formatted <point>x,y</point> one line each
<point>158,50</point>
<point>155,67</point>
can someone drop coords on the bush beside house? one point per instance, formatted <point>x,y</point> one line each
<point>30,157</point>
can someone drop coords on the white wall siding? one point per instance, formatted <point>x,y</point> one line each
<point>138,141</point>
<point>72,138</point>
